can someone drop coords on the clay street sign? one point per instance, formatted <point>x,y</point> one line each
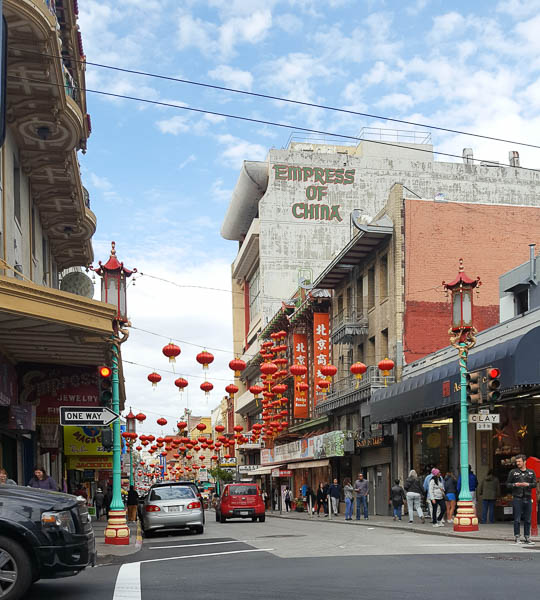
<point>484,418</point>
<point>93,415</point>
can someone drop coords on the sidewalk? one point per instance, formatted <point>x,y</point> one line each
<point>496,531</point>
<point>109,550</point>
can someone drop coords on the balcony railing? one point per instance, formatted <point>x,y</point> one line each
<point>86,195</point>
<point>348,390</point>
<point>347,325</point>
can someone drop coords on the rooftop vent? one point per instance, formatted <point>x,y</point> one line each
<point>513,158</point>
<point>467,156</point>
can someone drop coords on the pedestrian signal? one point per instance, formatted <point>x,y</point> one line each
<point>105,385</point>
<point>474,388</point>
<point>493,384</point>
<point>106,438</point>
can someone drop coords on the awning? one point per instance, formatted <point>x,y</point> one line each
<point>265,470</point>
<point>309,464</point>
<point>513,351</point>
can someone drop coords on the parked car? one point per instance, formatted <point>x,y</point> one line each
<point>193,486</point>
<point>43,535</point>
<point>172,505</point>
<point>240,500</point>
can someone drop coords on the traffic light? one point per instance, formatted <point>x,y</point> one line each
<point>493,383</point>
<point>474,388</point>
<point>107,438</point>
<point>105,386</point>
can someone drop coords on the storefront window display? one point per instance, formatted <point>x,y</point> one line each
<point>432,444</point>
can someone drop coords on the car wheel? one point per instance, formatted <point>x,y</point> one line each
<point>254,519</point>
<point>148,533</point>
<point>199,529</point>
<point>222,519</point>
<point>15,576</point>
<point>217,517</point>
<point>262,519</point>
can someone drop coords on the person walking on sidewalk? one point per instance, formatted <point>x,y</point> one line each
<point>473,484</point>
<point>287,497</point>
<point>361,488</point>
<point>132,503</point>
<point>311,499</point>
<point>436,497</point>
<point>99,499</point>
<point>450,487</point>
<point>397,495</point>
<point>322,496</point>
<point>335,493</point>
<point>42,480</point>
<point>348,491</point>
<point>414,490</point>
<point>490,490</point>
<point>522,481</point>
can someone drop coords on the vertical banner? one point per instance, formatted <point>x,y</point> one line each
<point>300,357</point>
<point>321,348</point>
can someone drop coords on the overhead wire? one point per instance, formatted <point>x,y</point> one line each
<point>262,121</point>
<point>281,99</point>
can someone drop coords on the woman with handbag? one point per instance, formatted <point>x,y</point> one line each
<point>436,496</point>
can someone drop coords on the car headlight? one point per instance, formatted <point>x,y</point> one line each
<point>58,520</point>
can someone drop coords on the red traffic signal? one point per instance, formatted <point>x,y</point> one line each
<point>494,373</point>
<point>104,371</point>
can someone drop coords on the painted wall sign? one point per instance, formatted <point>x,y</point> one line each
<point>300,357</point>
<point>318,446</point>
<point>83,441</point>
<point>321,346</point>
<point>317,191</point>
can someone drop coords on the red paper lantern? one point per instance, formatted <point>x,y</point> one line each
<point>358,369</point>
<point>171,351</point>
<point>386,365</point>
<point>219,428</point>
<point>176,455</point>
<point>205,358</point>
<point>201,426</point>
<point>279,389</point>
<point>206,387</point>
<point>181,425</point>
<point>231,389</point>
<point>140,417</point>
<point>237,365</point>
<point>238,428</point>
<point>154,378</point>
<point>161,421</point>
<point>323,385</point>
<point>138,448</point>
<point>256,390</point>
<point>181,383</point>
<point>328,370</point>
<point>298,370</point>
<point>269,369</point>
<point>215,457</point>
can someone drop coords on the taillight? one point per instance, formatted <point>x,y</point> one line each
<point>152,508</point>
<point>193,505</point>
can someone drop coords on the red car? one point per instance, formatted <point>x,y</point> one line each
<point>242,501</point>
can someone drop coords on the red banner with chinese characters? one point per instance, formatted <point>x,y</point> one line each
<point>300,356</point>
<point>321,348</point>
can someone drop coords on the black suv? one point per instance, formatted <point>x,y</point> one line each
<point>43,535</point>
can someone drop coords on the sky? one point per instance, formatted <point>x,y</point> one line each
<point>160,178</point>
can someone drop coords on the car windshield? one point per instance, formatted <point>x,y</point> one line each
<point>172,492</point>
<point>243,490</point>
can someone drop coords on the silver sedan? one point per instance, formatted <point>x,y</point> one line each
<point>172,506</point>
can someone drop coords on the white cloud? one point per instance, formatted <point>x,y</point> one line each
<point>446,25</point>
<point>191,158</point>
<point>101,183</point>
<point>289,22</point>
<point>220,194</point>
<point>518,8</point>
<point>175,125</point>
<point>398,101</point>
<point>238,150</point>
<point>235,78</point>
<point>417,7</point>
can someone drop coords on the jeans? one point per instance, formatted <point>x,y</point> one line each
<point>522,508</point>
<point>361,500</point>
<point>440,504</point>
<point>488,505</point>
<point>335,505</point>
<point>348,508</point>
<point>397,511</point>
<point>414,501</point>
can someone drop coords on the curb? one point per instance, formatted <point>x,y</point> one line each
<point>110,552</point>
<point>448,533</point>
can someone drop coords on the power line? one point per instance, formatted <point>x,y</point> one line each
<point>262,121</point>
<point>280,99</point>
<point>178,374</point>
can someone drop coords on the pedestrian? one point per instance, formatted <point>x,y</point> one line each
<point>42,481</point>
<point>450,487</point>
<point>264,497</point>
<point>311,499</point>
<point>522,481</point>
<point>397,495</point>
<point>414,490</point>
<point>427,479</point>
<point>4,479</point>
<point>304,489</point>
<point>99,498</point>
<point>335,494</point>
<point>322,496</point>
<point>436,497</point>
<point>490,490</point>
<point>361,488</point>
<point>287,496</point>
<point>107,501</point>
<point>473,484</point>
<point>132,503</point>
<point>348,491</point>
<point>81,491</point>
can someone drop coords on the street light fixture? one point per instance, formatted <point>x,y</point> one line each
<point>463,338</point>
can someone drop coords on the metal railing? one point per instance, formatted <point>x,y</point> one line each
<point>86,196</point>
<point>409,136</point>
<point>349,316</point>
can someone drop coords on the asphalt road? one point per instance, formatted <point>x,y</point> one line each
<point>281,559</point>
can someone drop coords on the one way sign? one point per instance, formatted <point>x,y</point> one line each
<point>93,415</point>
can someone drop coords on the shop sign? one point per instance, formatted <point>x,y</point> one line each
<point>80,463</point>
<point>8,382</point>
<point>281,473</point>
<point>300,357</point>
<point>247,468</point>
<point>375,441</point>
<point>203,474</point>
<point>321,346</point>
<point>81,441</point>
<point>485,418</point>
<point>50,387</point>
<point>318,446</point>
<point>227,462</point>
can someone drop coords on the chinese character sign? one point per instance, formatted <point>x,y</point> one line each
<point>300,357</point>
<point>321,346</point>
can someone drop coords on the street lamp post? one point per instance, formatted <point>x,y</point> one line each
<point>113,291</point>
<point>131,430</point>
<point>463,338</point>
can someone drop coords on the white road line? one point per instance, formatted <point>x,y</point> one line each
<point>128,582</point>
<point>201,544</point>
<point>143,562</point>
<point>471,544</point>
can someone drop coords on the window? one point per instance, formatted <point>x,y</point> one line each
<point>340,304</point>
<point>348,293</point>
<point>17,189</point>
<point>384,344</point>
<point>173,492</point>
<point>254,295</point>
<point>243,490</point>
<point>370,358</point>
<point>383,273</point>
<point>522,301</point>
<point>360,295</point>
<point>360,353</point>
<point>371,287</point>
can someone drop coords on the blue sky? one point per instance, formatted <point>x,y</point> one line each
<point>160,178</point>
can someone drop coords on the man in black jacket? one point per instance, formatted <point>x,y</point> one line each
<point>522,481</point>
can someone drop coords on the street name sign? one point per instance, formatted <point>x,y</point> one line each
<point>484,426</point>
<point>484,418</point>
<point>93,415</point>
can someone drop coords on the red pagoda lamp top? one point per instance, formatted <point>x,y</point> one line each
<point>461,289</point>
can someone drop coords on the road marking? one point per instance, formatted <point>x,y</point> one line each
<point>128,582</point>
<point>151,560</point>
<point>470,544</point>
<point>201,544</point>
<point>139,540</point>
